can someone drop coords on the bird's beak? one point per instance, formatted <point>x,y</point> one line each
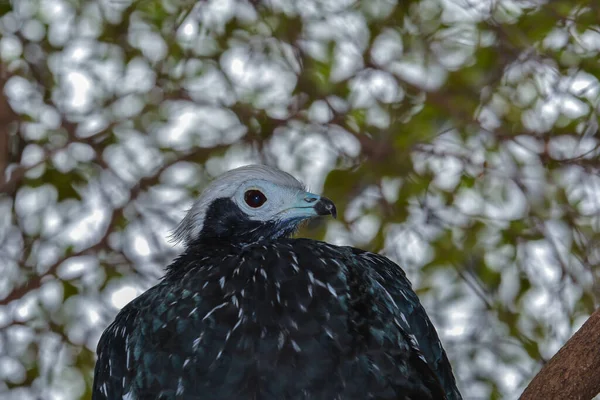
<point>324,206</point>
<point>311,205</point>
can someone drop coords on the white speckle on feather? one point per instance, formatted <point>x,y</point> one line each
<point>215,309</point>
<point>197,342</point>
<point>413,340</point>
<point>238,323</point>
<point>128,358</point>
<point>179,386</point>
<point>295,346</point>
<point>295,263</point>
<point>404,318</point>
<point>331,290</point>
<point>222,282</point>
<point>387,294</point>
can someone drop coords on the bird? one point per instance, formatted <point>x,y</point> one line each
<point>248,311</point>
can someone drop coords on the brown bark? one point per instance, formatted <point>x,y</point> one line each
<point>7,117</point>
<point>574,372</point>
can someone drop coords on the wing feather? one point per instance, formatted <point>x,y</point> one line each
<point>114,373</point>
<point>411,318</point>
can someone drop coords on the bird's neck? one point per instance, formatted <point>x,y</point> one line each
<point>225,223</point>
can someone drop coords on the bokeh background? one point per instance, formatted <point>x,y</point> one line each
<point>457,137</point>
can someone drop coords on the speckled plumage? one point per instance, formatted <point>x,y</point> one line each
<point>248,313</point>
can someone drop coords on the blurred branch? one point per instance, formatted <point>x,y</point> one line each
<point>574,372</point>
<point>7,118</point>
<point>34,282</point>
<point>10,185</point>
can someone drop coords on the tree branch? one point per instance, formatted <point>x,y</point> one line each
<point>35,281</point>
<point>7,117</point>
<point>573,372</point>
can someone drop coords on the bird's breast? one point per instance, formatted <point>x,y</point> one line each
<point>262,315</point>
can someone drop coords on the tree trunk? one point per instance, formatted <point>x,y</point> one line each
<point>574,372</point>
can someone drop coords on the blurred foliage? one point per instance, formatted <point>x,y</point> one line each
<point>459,138</point>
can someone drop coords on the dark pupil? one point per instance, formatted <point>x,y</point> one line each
<point>254,198</point>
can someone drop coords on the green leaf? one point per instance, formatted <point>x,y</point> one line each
<point>66,183</point>
<point>69,290</point>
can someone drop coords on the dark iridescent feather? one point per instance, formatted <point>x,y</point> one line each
<point>246,313</point>
<point>292,318</point>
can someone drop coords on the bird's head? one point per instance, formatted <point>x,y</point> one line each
<point>249,204</point>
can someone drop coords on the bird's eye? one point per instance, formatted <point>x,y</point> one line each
<point>254,198</point>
